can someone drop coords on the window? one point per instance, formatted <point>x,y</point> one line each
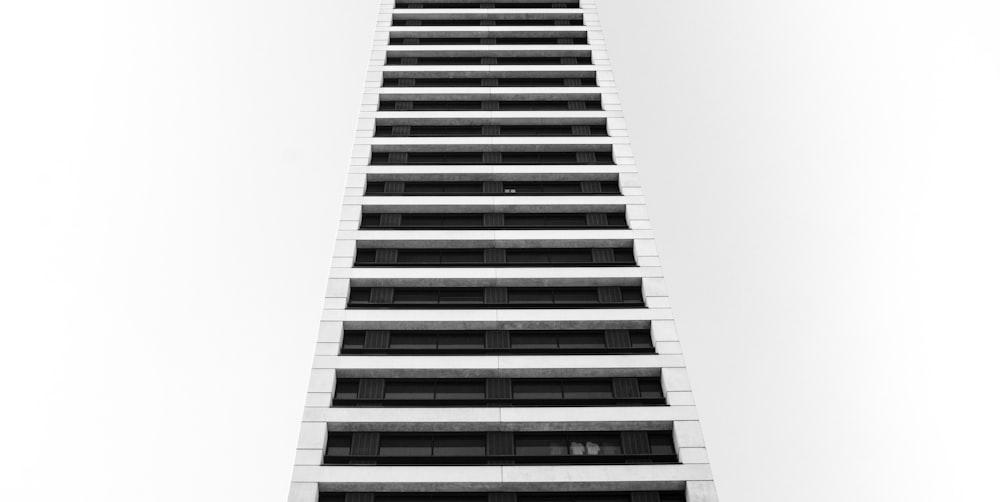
<point>453,448</point>
<point>405,446</point>
<point>494,257</point>
<point>488,82</point>
<point>508,220</point>
<point>601,391</point>
<point>533,105</point>
<point>338,445</point>
<point>433,445</point>
<point>416,130</point>
<point>486,60</point>
<point>513,342</point>
<point>560,496</point>
<point>568,445</point>
<point>532,297</point>
<point>500,158</point>
<point>426,21</point>
<point>346,390</point>
<point>421,188</point>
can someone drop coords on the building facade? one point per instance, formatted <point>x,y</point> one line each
<point>496,327</point>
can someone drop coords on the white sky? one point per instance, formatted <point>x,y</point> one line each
<point>823,179</point>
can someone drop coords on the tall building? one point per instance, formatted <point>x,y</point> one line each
<point>496,326</point>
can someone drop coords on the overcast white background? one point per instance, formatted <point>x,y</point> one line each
<point>823,178</point>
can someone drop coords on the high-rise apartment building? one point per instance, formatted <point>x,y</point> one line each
<point>496,326</point>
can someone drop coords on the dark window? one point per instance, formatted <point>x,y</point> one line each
<point>487,60</point>
<point>425,21</point>
<point>481,130</point>
<point>661,443</point>
<point>533,105</point>
<point>405,446</point>
<point>475,158</point>
<point>573,445</point>
<point>517,342</point>
<point>582,341</point>
<point>409,390</point>
<point>431,188</point>
<point>564,297</point>
<point>414,341</point>
<point>448,448</point>
<point>560,496</point>
<point>650,389</point>
<point>512,257</point>
<point>354,340</point>
<point>486,82</point>
<point>347,389</point>
<point>522,392</point>
<point>475,220</point>
<point>338,445</point>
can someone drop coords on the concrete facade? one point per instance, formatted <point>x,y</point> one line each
<point>692,474</point>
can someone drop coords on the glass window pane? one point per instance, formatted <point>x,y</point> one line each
<point>468,446</point>
<point>582,341</point>
<point>461,296</point>
<point>409,390</point>
<point>354,340</point>
<point>463,188</point>
<point>571,296</point>
<point>661,443</point>
<point>421,220</point>
<point>641,340</point>
<point>522,220</point>
<point>594,389</point>
<point>616,219</point>
<point>347,389</point>
<point>522,187</point>
<point>413,256</point>
<point>422,187</point>
<point>536,389</point>
<point>632,296</point>
<point>565,220</point>
<point>650,389</point>
<point>541,296</point>
<point>539,446</point>
<point>413,341</point>
<point>404,446</point>
<point>463,256</point>
<point>526,256</point>
<point>571,256</point>
<point>624,256</point>
<point>338,445</point>
<point>533,340</point>
<point>599,444</point>
<point>462,340</point>
<point>415,296</point>
<point>461,390</point>
<point>562,188</point>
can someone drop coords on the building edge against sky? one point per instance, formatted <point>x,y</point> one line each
<point>486,185</point>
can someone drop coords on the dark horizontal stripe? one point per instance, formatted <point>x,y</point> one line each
<point>526,105</point>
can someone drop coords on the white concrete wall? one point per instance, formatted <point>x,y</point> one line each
<point>310,476</point>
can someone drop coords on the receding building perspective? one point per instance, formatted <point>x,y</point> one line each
<point>496,327</point>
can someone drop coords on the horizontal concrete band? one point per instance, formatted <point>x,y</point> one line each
<point>486,276</point>
<point>512,418</point>
<point>458,318</point>
<point>480,365</point>
<point>549,477</point>
<point>549,235</point>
